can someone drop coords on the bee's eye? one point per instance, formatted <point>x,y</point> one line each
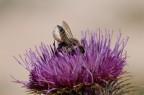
<point>61,31</point>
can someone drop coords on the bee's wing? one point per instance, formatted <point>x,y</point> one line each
<point>67,29</point>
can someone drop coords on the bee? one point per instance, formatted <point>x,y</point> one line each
<point>63,35</point>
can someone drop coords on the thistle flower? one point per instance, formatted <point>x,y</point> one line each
<point>95,72</point>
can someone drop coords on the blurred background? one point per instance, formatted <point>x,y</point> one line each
<point>26,23</point>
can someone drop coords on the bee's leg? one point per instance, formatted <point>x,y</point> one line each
<point>81,48</point>
<point>60,45</point>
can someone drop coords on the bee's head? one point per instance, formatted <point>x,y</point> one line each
<point>58,31</point>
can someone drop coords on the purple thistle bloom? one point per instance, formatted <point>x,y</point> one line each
<point>51,70</point>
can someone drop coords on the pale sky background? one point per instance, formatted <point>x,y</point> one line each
<point>26,23</point>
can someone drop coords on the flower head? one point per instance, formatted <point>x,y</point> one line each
<point>51,71</point>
